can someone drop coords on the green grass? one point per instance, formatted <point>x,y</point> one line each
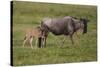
<point>29,14</point>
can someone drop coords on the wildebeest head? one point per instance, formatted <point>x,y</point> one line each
<point>39,28</point>
<point>84,21</point>
<point>44,29</point>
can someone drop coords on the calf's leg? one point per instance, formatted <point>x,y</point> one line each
<point>30,41</point>
<point>25,39</point>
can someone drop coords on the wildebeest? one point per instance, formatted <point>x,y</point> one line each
<point>63,26</point>
<point>34,33</point>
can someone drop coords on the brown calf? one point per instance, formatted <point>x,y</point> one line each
<point>31,34</point>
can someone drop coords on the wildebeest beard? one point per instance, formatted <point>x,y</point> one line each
<point>85,26</point>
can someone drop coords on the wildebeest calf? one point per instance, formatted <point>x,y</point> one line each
<point>31,34</point>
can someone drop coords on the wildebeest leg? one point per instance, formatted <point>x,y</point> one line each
<point>59,41</point>
<point>64,39</point>
<point>76,34</point>
<point>40,42</point>
<point>71,36</point>
<point>25,39</point>
<point>45,41</point>
<point>24,42</point>
<point>36,42</point>
<point>62,42</point>
<point>30,41</point>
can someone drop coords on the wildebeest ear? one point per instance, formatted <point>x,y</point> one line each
<point>39,27</point>
<point>81,19</point>
<point>41,22</point>
<point>74,17</point>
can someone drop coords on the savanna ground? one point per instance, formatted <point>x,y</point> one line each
<point>29,14</point>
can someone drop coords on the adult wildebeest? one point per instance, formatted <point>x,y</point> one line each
<point>63,26</point>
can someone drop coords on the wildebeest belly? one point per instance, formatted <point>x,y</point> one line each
<point>57,30</point>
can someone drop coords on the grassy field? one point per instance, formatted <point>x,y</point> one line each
<point>28,15</point>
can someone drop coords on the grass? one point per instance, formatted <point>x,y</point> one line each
<point>29,14</point>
